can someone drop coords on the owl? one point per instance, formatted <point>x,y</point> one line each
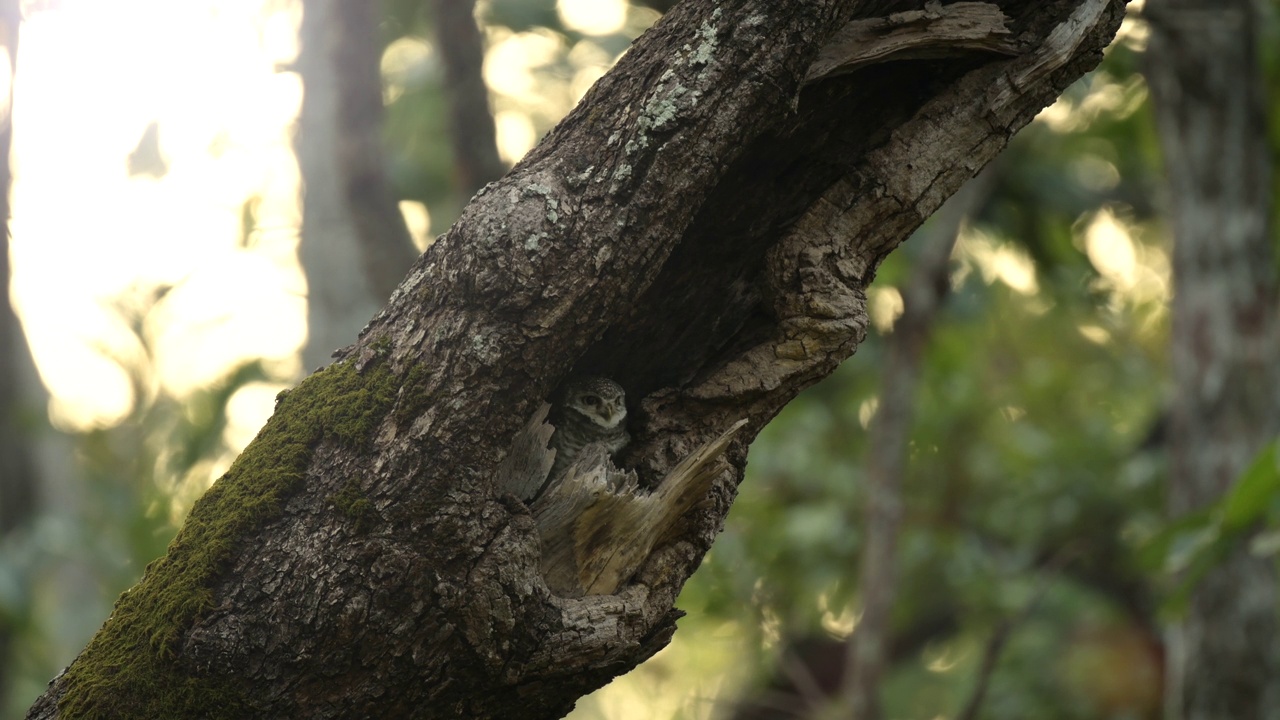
<point>590,410</point>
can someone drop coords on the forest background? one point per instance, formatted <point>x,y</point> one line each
<point>163,276</point>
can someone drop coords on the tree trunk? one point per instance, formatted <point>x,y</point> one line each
<point>1204,73</point>
<point>701,229</point>
<point>17,465</point>
<point>355,247</point>
<point>475,147</point>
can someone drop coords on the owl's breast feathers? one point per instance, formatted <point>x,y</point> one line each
<point>575,431</point>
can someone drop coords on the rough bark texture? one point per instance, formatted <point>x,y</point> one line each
<point>475,147</point>
<point>355,247</point>
<point>699,229</point>
<point>1206,82</point>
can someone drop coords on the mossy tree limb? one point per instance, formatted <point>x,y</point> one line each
<point>701,228</point>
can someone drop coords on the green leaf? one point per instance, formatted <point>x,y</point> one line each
<point>1186,549</point>
<point>1155,553</point>
<point>1251,496</point>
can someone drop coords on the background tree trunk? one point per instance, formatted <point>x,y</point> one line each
<point>41,483</point>
<point>17,466</point>
<point>475,149</point>
<point>701,228</point>
<point>355,247</point>
<point>1207,86</point>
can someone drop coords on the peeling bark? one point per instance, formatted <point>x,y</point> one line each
<point>701,229</point>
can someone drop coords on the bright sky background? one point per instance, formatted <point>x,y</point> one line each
<point>91,77</point>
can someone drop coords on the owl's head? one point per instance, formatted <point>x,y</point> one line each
<point>601,400</point>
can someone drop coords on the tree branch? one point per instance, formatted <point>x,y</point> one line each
<point>1000,637</point>
<point>923,296</point>
<point>934,32</point>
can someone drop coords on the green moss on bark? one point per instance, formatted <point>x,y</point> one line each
<point>352,503</point>
<point>130,668</point>
<point>413,395</point>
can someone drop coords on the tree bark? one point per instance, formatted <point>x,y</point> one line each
<point>1206,81</point>
<point>701,229</point>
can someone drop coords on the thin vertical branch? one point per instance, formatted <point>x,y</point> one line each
<point>384,239</point>
<point>996,643</point>
<point>887,458</point>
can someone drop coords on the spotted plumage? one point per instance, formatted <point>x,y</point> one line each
<point>589,410</point>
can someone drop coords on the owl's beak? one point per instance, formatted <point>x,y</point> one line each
<point>615,413</point>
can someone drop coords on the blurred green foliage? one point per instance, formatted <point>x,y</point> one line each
<point>1025,446</point>
<point>1188,547</point>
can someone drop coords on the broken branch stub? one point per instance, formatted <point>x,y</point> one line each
<point>936,31</point>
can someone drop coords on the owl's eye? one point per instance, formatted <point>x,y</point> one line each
<point>591,400</point>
